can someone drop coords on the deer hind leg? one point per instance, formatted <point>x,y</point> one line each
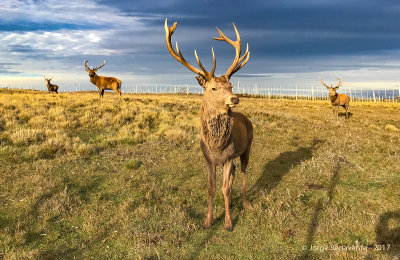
<point>119,92</point>
<point>244,160</point>
<point>101,93</point>
<point>211,191</point>
<point>226,190</point>
<point>347,110</point>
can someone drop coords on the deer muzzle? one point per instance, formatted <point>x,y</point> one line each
<point>232,101</point>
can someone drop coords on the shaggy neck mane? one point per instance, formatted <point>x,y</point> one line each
<point>334,97</point>
<point>216,128</point>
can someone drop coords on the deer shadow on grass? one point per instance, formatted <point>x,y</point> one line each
<point>387,233</point>
<point>272,174</point>
<point>275,170</point>
<point>80,191</point>
<point>320,207</point>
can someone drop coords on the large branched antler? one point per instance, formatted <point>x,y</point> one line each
<point>179,57</point>
<point>324,83</point>
<point>339,84</point>
<point>94,68</point>
<point>238,62</point>
<point>47,78</point>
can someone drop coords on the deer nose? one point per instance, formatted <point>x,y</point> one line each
<point>235,100</point>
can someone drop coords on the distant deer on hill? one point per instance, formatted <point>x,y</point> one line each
<point>225,134</point>
<point>50,87</point>
<point>102,82</point>
<point>337,100</point>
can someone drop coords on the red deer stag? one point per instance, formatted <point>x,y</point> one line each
<point>102,82</point>
<point>225,134</point>
<point>337,100</point>
<point>50,87</point>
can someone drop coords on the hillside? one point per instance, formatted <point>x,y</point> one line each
<point>125,178</point>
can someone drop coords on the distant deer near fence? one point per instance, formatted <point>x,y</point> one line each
<point>225,134</point>
<point>337,100</point>
<point>50,87</point>
<point>102,82</point>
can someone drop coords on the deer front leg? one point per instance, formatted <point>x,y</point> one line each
<point>336,112</point>
<point>211,191</point>
<point>231,182</point>
<point>227,189</point>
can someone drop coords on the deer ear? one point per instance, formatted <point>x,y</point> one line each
<point>202,80</point>
<point>227,77</point>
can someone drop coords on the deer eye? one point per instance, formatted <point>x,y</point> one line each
<point>214,89</point>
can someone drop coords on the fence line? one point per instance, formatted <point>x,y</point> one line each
<point>272,92</point>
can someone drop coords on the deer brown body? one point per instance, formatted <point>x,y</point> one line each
<point>50,87</point>
<point>225,134</point>
<point>102,82</point>
<point>338,100</point>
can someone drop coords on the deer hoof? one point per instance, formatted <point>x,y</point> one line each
<point>205,227</point>
<point>230,229</point>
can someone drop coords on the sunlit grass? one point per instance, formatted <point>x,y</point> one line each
<point>124,178</point>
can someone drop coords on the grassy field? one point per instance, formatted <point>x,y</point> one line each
<point>125,179</point>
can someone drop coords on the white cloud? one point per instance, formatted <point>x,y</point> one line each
<point>72,11</point>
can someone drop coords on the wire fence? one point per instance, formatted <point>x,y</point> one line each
<point>256,90</point>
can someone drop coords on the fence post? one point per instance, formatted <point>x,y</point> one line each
<point>312,93</point>
<point>350,93</point>
<point>187,89</point>
<point>373,94</point>
<point>393,96</point>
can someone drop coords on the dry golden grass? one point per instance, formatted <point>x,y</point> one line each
<point>125,179</point>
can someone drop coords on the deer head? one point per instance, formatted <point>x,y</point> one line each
<point>217,90</point>
<point>93,71</point>
<point>332,90</point>
<point>48,79</point>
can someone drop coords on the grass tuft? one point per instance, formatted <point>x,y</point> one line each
<point>133,164</point>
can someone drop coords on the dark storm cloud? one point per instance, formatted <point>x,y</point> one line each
<point>7,68</point>
<point>296,28</point>
<point>288,36</point>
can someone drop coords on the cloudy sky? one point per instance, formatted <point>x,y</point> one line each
<point>292,42</point>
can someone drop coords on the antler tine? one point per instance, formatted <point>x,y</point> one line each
<point>51,77</point>
<point>236,65</point>
<point>85,63</point>
<point>247,56</point>
<point>323,83</point>
<point>340,82</point>
<point>179,57</point>
<point>102,65</point>
<point>44,77</point>
<point>211,73</point>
